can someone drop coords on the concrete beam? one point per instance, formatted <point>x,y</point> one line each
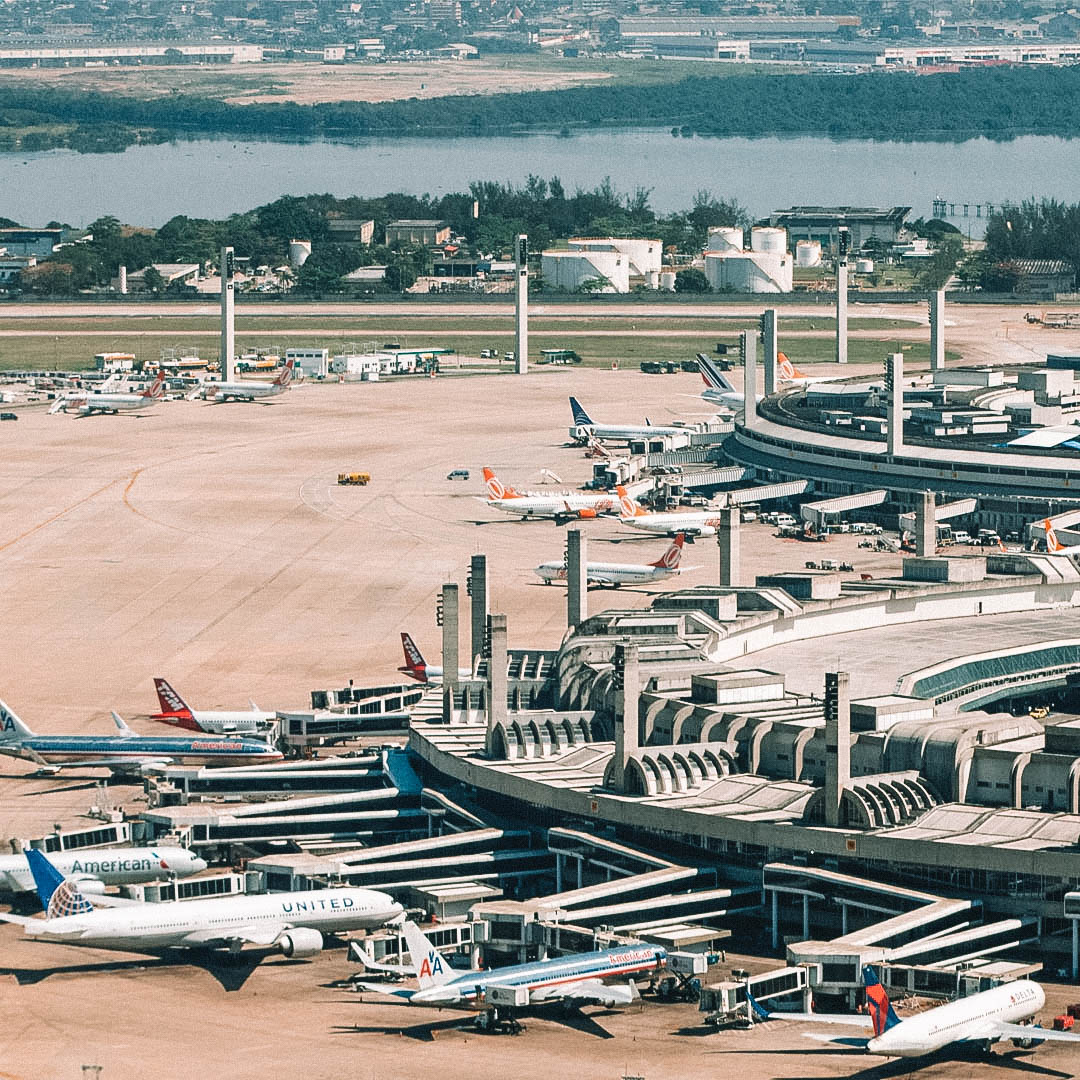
<point>749,349</point>
<point>926,525</point>
<point>521,305</point>
<point>478,590</point>
<point>228,315</point>
<point>769,344</point>
<point>937,330</point>
<point>841,296</point>
<point>497,712</point>
<point>895,405</point>
<point>577,578</point>
<point>837,742</point>
<point>450,648</point>
<point>627,694</point>
<point>727,539</point>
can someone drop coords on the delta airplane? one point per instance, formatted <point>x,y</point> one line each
<point>622,573</point>
<point>416,667</point>
<point>87,404</point>
<point>245,391</point>
<point>690,523</point>
<point>176,711</point>
<point>126,752</point>
<point>981,1019</point>
<point>577,979</point>
<point>91,869</point>
<point>292,922</point>
<point>586,429</point>
<point>562,508</point>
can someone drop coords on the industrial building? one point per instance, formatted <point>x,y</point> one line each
<point>603,270</point>
<point>767,267</point>
<point>60,55</point>
<point>823,223</point>
<point>418,233</point>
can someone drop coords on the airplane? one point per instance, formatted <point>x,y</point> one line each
<point>87,404</point>
<point>691,523</point>
<point>176,711</point>
<point>568,506</point>
<point>1053,544</point>
<point>577,979</point>
<point>245,391</point>
<point>981,1019</point>
<point>720,391</point>
<point>94,868</point>
<point>586,429</point>
<point>416,667</point>
<point>291,922</point>
<point>126,752</point>
<point>622,573</point>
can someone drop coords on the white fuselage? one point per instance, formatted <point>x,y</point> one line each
<point>608,573</point>
<point>703,523</point>
<point>555,506</point>
<point>965,1020</point>
<point>240,391</point>
<point>110,866</point>
<point>220,722</point>
<point>730,399</point>
<point>621,432</point>
<point>199,923</point>
<point>85,404</point>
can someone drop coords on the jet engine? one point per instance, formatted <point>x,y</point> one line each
<point>1029,1043</point>
<point>301,943</point>
<point>90,886</point>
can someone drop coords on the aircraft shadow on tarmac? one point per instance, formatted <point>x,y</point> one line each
<point>895,1068</point>
<point>231,971</point>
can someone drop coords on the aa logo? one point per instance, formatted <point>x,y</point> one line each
<point>431,966</point>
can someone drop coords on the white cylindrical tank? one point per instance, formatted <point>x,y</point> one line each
<point>864,266</point>
<point>569,270</point>
<point>807,253</point>
<point>725,238</point>
<point>299,253</point>
<point>652,279</point>
<point>773,241</point>
<point>667,281</point>
<point>750,272</point>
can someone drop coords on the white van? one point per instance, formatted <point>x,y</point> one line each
<point>959,536</point>
<point>785,521</point>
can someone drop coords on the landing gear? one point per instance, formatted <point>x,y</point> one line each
<point>495,1021</point>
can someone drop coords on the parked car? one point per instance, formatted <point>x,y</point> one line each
<point>9,416</point>
<point>458,474</point>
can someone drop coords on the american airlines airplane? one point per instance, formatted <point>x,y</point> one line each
<point>126,752</point>
<point>86,404</point>
<point>622,573</point>
<point>586,429</point>
<point>91,869</point>
<point>577,979</point>
<point>416,667</point>
<point>981,1019</point>
<point>690,523</point>
<point>562,508</point>
<point>245,391</point>
<point>292,922</point>
<point>176,711</point>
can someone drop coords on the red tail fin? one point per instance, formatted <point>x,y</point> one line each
<point>627,504</point>
<point>672,557</point>
<point>171,703</point>
<point>157,388</point>
<point>284,376</point>
<point>1052,542</point>
<point>495,488</point>
<point>414,661</point>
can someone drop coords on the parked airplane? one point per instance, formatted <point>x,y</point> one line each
<point>622,573</point>
<point>91,869</point>
<point>691,523</point>
<point>568,506</point>
<point>720,391</point>
<point>246,391</point>
<point>981,1019</point>
<point>176,711</point>
<point>586,429</point>
<point>578,979</point>
<point>1053,544</point>
<point>86,404</point>
<point>126,752</point>
<point>416,667</point>
<point>292,922</point>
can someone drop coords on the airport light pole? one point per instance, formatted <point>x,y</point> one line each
<point>521,312</point>
<point>228,315</point>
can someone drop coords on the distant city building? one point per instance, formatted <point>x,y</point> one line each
<point>11,266</point>
<point>418,233</point>
<point>38,242</point>
<point>131,53</point>
<point>1044,278</point>
<point>351,231</point>
<point>821,223</point>
<point>172,274</point>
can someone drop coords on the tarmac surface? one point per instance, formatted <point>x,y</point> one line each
<point>211,544</point>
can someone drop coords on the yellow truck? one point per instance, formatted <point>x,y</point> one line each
<point>357,478</point>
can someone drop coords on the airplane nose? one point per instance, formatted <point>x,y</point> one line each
<point>198,865</point>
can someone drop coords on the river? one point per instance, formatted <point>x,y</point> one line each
<point>212,178</point>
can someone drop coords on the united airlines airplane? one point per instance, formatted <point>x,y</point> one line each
<point>292,922</point>
<point>981,1020</point>
<point>94,868</point>
<point>126,752</point>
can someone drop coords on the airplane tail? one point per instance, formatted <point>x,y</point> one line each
<point>12,729</point>
<point>628,504</point>
<point>580,415</point>
<point>673,556</point>
<point>878,1004</point>
<point>156,390</point>
<point>431,968</point>
<point>284,376</point>
<point>785,369</point>
<point>414,660</point>
<point>712,376</point>
<point>121,724</point>
<point>58,897</point>
<point>495,488</point>
<point>1052,542</point>
<point>169,701</point>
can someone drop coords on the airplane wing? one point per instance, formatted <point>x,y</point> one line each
<point>382,988</point>
<point>835,1040</point>
<point>144,764</point>
<point>243,935</point>
<point>1031,1031</point>
<point>854,1020</point>
<point>585,992</point>
<point>20,920</point>
<point>358,952</point>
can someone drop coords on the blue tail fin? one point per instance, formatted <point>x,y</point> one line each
<point>580,415</point>
<point>58,897</point>
<point>878,1004</point>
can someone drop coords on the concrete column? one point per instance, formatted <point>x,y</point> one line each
<point>841,296</point>
<point>775,920</point>
<point>926,525</point>
<point>627,689</point>
<point>768,341</point>
<point>577,578</point>
<point>521,310</point>
<point>749,345</point>
<point>450,650</point>
<point>727,539</point>
<point>559,857</point>
<point>228,315</point>
<point>806,917</point>
<point>123,281</point>
<point>1076,949</point>
<point>496,677</point>
<point>837,742</point>
<point>937,330</point>
<point>580,872</point>
<point>479,598</point>
<point>895,365</point>
<point>843,919</point>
